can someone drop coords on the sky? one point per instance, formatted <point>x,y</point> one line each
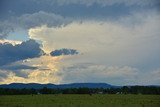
<point>80,41</point>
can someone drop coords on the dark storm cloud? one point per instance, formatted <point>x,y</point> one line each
<point>63,52</point>
<point>27,21</point>
<point>10,53</point>
<point>26,14</point>
<point>70,7</point>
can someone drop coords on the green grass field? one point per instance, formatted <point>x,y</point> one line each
<point>80,101</point>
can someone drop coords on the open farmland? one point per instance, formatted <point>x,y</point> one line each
<point>75,100</point>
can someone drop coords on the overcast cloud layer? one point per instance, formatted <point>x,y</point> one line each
<point>112,41</point>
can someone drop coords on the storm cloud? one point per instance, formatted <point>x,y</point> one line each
<point>10,53</point>
<point>57,13</point>
<point>64,52</point>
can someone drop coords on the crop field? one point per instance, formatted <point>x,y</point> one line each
<point>74,100</point>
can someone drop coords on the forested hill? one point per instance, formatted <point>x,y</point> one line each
<point>53,86</point>
<point>75,88</point>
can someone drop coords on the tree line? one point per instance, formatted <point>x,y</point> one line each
<point>121,90</point>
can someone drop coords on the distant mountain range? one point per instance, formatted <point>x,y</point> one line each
<point>53,86</point>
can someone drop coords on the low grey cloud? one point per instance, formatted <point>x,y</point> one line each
<point>85,72</point>
<point>41,18</point>
<point>3,74</point>
<point>102,2</point>
<point>38,70</point>
<point>117,75</point>
<point>5,29</point>
<point>64,52</point>
<point>16,67</point>
<point>10,53</point>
